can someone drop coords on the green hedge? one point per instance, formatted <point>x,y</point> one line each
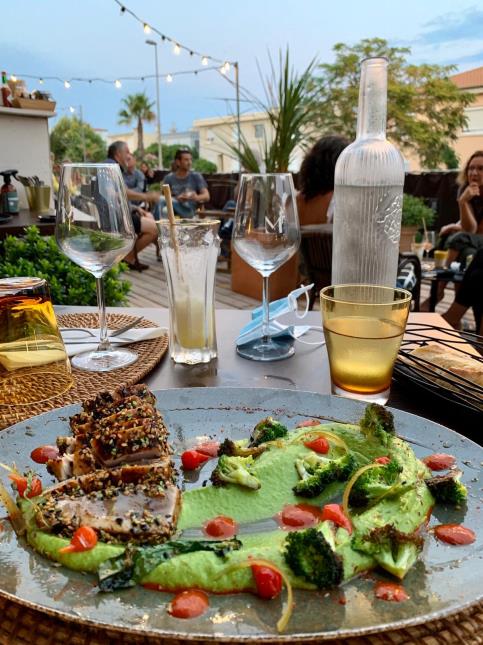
<point>37,255</point>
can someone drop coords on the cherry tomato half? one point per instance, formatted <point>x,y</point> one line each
<point>268,581</point>
<point>84,539</point>
<point>382,460</point>
<point>298,516</point>
<point>334,513</point>
<point>22,484</point>
<point>390,591</point>
<point>209,448</point>
<point>189,604</point>
<point>454,534</point>
<point>439,461</point>
<point>220,527</point>
<point>192,459</point>
<point>42,454</point>
<point>308,423</point>
<point>320,445</point>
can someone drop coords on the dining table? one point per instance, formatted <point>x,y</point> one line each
<point>307,369</point>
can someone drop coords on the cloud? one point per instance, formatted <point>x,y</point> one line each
<point>453,26</point>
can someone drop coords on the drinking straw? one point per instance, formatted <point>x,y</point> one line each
<point>172,224</point>
<point>425,230</point>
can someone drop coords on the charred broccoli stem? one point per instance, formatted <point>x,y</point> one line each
<point>447,489</point>
<point>234,470</point>
<point>311,557</point>
<point>393,550</point>
<point>317,472</point>
<point>377,424</point>
<point>376,483</point>
<point>234,449</point>
<point>267,430</point>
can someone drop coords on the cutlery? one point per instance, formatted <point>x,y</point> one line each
<point>113,334</point>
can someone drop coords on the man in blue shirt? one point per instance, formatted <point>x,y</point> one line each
<point>188,188</point>
<point>144,224</point>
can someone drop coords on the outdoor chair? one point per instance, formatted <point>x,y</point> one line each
<point>316,248</point>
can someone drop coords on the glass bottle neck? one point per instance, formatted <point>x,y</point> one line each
<point>372,112</point>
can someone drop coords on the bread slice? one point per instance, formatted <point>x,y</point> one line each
<point>450,359</point>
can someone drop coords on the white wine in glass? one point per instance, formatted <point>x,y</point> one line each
<point>266,234</point>
<point>94,229</point>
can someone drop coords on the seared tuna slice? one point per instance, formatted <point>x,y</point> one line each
<point>119,428</point>
<point>134,503</point>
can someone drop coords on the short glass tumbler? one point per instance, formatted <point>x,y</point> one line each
<point>363,328</point>
<point>34,366</point>
<point>189,250</point>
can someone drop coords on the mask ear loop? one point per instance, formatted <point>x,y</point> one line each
<point>293,303</point>
<point>310,342</point>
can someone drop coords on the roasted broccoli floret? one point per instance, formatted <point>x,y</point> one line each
<point>377,424</point>
<point>234,470</point>
<point>316,472</point>
<point>234,449</point>
<point>267,430</point>
<point>447,489</point>
<point>377,483</point>
<point>393,550</point>
<point>311,557</point>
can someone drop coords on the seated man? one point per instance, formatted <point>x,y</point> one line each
<point>188,188</point>
<point>144,223</point>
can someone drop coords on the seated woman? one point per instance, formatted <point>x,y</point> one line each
<point>467,233</point>
<point>316,178</point>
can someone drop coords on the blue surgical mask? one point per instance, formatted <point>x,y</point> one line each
<point>253,329</point>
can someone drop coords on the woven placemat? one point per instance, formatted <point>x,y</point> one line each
<point>87,384</point>
<point>22,626</point>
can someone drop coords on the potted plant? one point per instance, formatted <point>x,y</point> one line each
<point>415,215</point>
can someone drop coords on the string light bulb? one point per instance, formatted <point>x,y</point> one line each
<point>147,28</point>
<point>41,81</point>
<point>72,109</point>
<point>227,67</point>
<point>169,78</point>
<point>66,85</point>
<point>204,61</point>
<point>118,84</point>
<point>176,49</point>
<point>222,69</point>
<point>13,78</point>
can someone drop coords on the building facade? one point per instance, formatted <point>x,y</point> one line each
<point>183,138</point>
<point>471,138</point>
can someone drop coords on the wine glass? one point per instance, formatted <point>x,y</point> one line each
<point>94,229</point>
<point>266,234</point>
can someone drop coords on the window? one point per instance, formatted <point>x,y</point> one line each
<point>259,131</point>
<point>210,137</point>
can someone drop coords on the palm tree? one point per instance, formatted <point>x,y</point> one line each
<point>137,107</point>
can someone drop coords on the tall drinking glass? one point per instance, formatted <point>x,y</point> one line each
<point>94,229</point>
<point>363,328</point>
<point>266,234</point>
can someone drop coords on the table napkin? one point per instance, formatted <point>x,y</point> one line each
<point>77,342</point>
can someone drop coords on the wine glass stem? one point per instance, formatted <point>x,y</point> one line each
<point>266,311</point>
<point>103,341</point>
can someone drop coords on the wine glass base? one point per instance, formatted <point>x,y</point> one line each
<point>379,397</point>
<point>104,361</point>
<point>273,349</point>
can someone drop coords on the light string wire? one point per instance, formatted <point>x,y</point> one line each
<point>148,28</point>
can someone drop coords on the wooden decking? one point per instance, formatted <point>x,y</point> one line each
<point>149,289</point>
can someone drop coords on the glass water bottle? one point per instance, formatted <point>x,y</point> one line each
<point>369,179</point>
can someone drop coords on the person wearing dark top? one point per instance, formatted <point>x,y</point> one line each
<point>470,294</point>
<point>467,234</point>
<point>188,188</point>
<point>315,203</point>
<point>465,237</point>
<point>144,224</point>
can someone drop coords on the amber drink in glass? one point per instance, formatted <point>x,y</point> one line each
<point>363,328</point>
